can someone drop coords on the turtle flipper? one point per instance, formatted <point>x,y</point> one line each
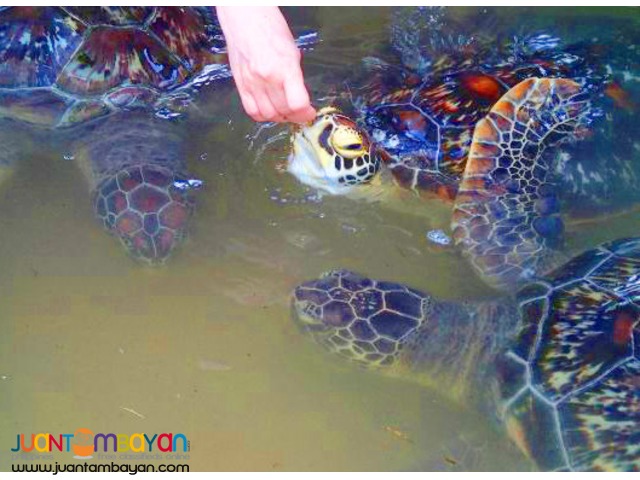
<point>506,218</point>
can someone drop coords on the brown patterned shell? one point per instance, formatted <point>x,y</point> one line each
<point>427,124</point>
<point>63,65</point>
<point>570,381</point>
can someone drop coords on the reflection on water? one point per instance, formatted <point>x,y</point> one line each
<point>205,345</point>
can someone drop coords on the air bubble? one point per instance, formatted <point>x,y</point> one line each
<point>438,237</point>
<point>349,229</point>
<point>167,114</point>
<point>189,184</point>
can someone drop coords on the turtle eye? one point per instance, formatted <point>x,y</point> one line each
<point>348,142</point>
<point>352,150</point>
<point>354,147</point>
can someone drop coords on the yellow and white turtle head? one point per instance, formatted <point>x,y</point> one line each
<point>333,154</point>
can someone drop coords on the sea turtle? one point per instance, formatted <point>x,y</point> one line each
<point>84,70</point>
<point>506,218</point>
<point>421,122</point>
<point>557,364</point>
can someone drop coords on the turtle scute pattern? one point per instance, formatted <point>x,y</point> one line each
<point>425,118</point>
<point>506,219</point>
<point>365,320</point>
<point>571,382</point>
<point>143,208</point>
<point>426,129</point>
<point>87,62</point>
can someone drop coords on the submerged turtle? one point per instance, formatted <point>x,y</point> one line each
<point>556,365</point>
<point>72,67</point>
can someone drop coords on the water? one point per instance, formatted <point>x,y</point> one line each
<point>205,345</point>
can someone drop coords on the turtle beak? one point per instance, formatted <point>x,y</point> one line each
<point>306,303</point>
<point>305,315</point>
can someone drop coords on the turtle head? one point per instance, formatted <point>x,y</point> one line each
<point>333,153</point>
<point>142,206</point>
<point>366,321</point>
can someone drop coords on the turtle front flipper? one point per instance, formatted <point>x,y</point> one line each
<point>135,165</point>
<point>506,218</point>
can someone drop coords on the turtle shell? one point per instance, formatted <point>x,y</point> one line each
<point>570,384</point>
<point>426,121</point>
<point>62,66</point>
<point>142,207</point>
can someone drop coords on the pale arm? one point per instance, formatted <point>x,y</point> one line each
<point>265,62</point>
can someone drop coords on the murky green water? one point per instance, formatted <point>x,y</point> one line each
<point>205,345</point>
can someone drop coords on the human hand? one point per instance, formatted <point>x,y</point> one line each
<point>265,63</point>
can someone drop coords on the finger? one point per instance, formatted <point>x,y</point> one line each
<point>267,110</point>
<point>278,98</point>
<point>248,101</point>
<point>302,116</point>
<point>298,98</point>
<point>250,106</point>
